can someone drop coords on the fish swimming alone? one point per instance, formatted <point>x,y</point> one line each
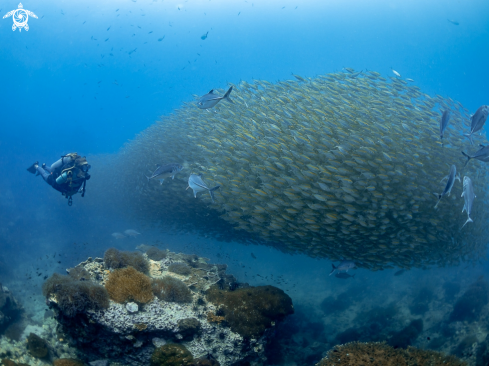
<point>454,22</point>
<point>131,232</point>
<point>204,36</point>
<point>210,99</point>
<point>468,195</point>
<point>477,121</point>
<point>166,170</point>
<point>198,185</point>
<point>118,235</point>
<point>482,155</point>
<point>445,118</point>
<point>396,73</point>
<point>344,266</point>
<point>451,180</point>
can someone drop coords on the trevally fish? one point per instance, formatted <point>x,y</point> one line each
<point>118,235</point>
<point>165,171</point>
<point>468,195</point>
<point>131,232</point>
<point>210,99</point>
<point>445,118</point>
<point>482,154</point>
<point>344,266</point>
<point>477,121</point>
<point>198,185</point>
<point>451,180</point>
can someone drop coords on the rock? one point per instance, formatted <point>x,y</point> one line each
<point>171,355</point>
<point>37,346</point>
<point>158,342</point>
<point>188,328</point>
<point>132,307</point>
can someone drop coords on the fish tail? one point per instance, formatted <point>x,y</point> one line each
<point>148,178</point>
<point>469,136</point>
<point>468,158</point>
<point>211,191</point>
<point>226,96</point>
<point>468,220</point>
<point>439,198</point>
<point>334,269</point>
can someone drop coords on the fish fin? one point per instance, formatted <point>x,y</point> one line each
<point>468,220</point>
<point>458,177</point>
<point>211,92</point>
<point>211,191</point>
<point>463,209</point>
<point>226,96</point>
<point>469,136</point>
<point>148,178</point>
<point>442,179</point>
<point>439,198</point>
<point>187,188</point>
<point>161,181</point>
<point>468,158</point>
<point>334,269</point>
<point>173,176</point>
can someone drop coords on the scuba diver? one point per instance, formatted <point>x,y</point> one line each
<point>68,175</point>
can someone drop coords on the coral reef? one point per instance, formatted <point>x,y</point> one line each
<point>156,254</point>
<point>171,355</point>
<point>356,354</point>
<point>10,309</point>
<point>115,259</point>
<point>7,362</point>
<point>171,289</point>
<point>79,274</point>
<point>67,362</point>
<point>37,346</point>
<point>128,284</point>
<point>179,268</point>
<point>469,306</point>
<point>128,335</point>
<point>75,296</point>
<point>250,311</point>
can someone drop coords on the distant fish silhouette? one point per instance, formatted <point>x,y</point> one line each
<point>204,36</point>
<point>454,22</point>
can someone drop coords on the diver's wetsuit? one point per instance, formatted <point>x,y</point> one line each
<point>56,168</point>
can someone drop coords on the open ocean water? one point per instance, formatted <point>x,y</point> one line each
<point>326,153</point>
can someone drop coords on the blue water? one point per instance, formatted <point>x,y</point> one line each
<point>88,76</point>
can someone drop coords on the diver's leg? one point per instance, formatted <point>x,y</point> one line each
<point>45,175</point>
<point>60,163</point>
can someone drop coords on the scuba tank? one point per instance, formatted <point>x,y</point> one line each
<point>63,177</point>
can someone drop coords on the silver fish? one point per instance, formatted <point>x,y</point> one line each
<point>468,195</point>
<point>198,185</point>
<point>445,118</point>
<point>451,180</point>
<point>344,266</point>
<point>118,235</point>
<point>477,121</point>
<point>165,171</point>
<point>482,154</point>
<point>210,99</point>
<point>131,232</point>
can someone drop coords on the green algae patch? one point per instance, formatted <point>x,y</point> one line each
<point>250,311</point>
<point>171,355</point>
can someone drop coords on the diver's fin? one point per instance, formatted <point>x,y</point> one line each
<point>33,168</point>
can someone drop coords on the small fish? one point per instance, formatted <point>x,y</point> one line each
<point>400,272</point>
<point>451,180</point>
<point>454,22</point>
<point>198,185</point>
<point>161,39</point>
<point>253,256</point>
<point>344,266</point>
<point>165,171</point>
<point>204,36</point>
<point>477,121</point>
<point>468,195</point>
<point>210,99</point>
<point>131,232</point>
<point>396,73</point>
<point>482,154</point>
<point>109,27</point>
<point>445,118</point>
<point>410,80</point>
<point>118,235</point>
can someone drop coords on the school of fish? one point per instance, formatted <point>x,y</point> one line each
<point>342,166</point>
